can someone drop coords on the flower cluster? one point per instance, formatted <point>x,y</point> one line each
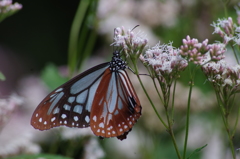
<point>217,51</point>
<point>7,106</point>
<point>131,43</point>
<point>228,30</point>
<point>7,8</point>
<point>164,59</point>
<point>223,75</point>
<point>194,51</point>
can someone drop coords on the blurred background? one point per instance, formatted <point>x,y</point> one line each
<point>34,57</point>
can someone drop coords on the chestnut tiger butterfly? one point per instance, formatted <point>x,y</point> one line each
<point>102,97</point>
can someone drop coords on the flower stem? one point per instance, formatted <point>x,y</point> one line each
<point>187,119</point>
<point>151,102</point>
<point>170,131</point>
<point>224,114</point>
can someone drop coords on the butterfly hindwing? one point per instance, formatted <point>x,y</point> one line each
<point>69,104</point>
<point>116,107</point>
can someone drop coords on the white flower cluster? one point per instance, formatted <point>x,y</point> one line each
<point>164,59</point>
<point>223,74</point>
<point>7,8</point>
<point>129,41</point>
<point>228,30</point>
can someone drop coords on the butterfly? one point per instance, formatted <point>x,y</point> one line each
<point>102,97</point>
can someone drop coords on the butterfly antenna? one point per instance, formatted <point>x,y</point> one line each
<point>135,27</point>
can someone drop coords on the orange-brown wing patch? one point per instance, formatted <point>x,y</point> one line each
<point>116,107</point>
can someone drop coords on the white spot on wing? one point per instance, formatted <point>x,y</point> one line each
<point>75,118</point>
<point>101,125</point>
<point>63,116</point>
<point>95,118</point>
<point>87,119</point>
<point>54,118</point>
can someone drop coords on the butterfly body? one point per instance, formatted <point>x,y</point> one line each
<point>101,97</point>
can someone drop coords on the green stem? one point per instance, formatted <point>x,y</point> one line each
<point>225,121</point>
<point>170,131</point>
<point>145,91</point>
<point>173,97</point>
<point>154,82</point>
<point>187,119</point>
<point>153,106</point>
<point>236,122</point>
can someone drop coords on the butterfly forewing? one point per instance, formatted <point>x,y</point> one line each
<point>116,107</point>
<point>69,104</point>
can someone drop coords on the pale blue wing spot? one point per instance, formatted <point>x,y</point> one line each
<point>82,97</point>
<point>91,94</point>
<point>52,96</point>
<point>75,118</point>
<point>116,112</point>
<point>105,111</point>
<point>71,99</point>
<point>112,93</point>
<point>78,109</point>
<point>120,104</point>
<point>67,107</point>
<point>59,90</point>
<point>63,116</point>
<point>87,119</point>
<point>56,110</point>
<point>57,98</point>
<point>86,81</point>
<point>109,118</point>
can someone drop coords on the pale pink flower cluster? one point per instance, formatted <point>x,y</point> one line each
<point>7,6</point>
<point>164,59</point>
<point>228,30</point>
<point>217,51</point>
<point>131,43</point>
<point>194,51</point>
<point>222,74</point>
<point>7,106</point>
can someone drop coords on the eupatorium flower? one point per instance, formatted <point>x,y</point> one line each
<point>164,59</point>
<point>132,43</point>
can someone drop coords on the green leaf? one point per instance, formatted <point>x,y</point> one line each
<point>196,151</point>
<point>2,77</point>
<point>38,156</point>
<point>50,75</point>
